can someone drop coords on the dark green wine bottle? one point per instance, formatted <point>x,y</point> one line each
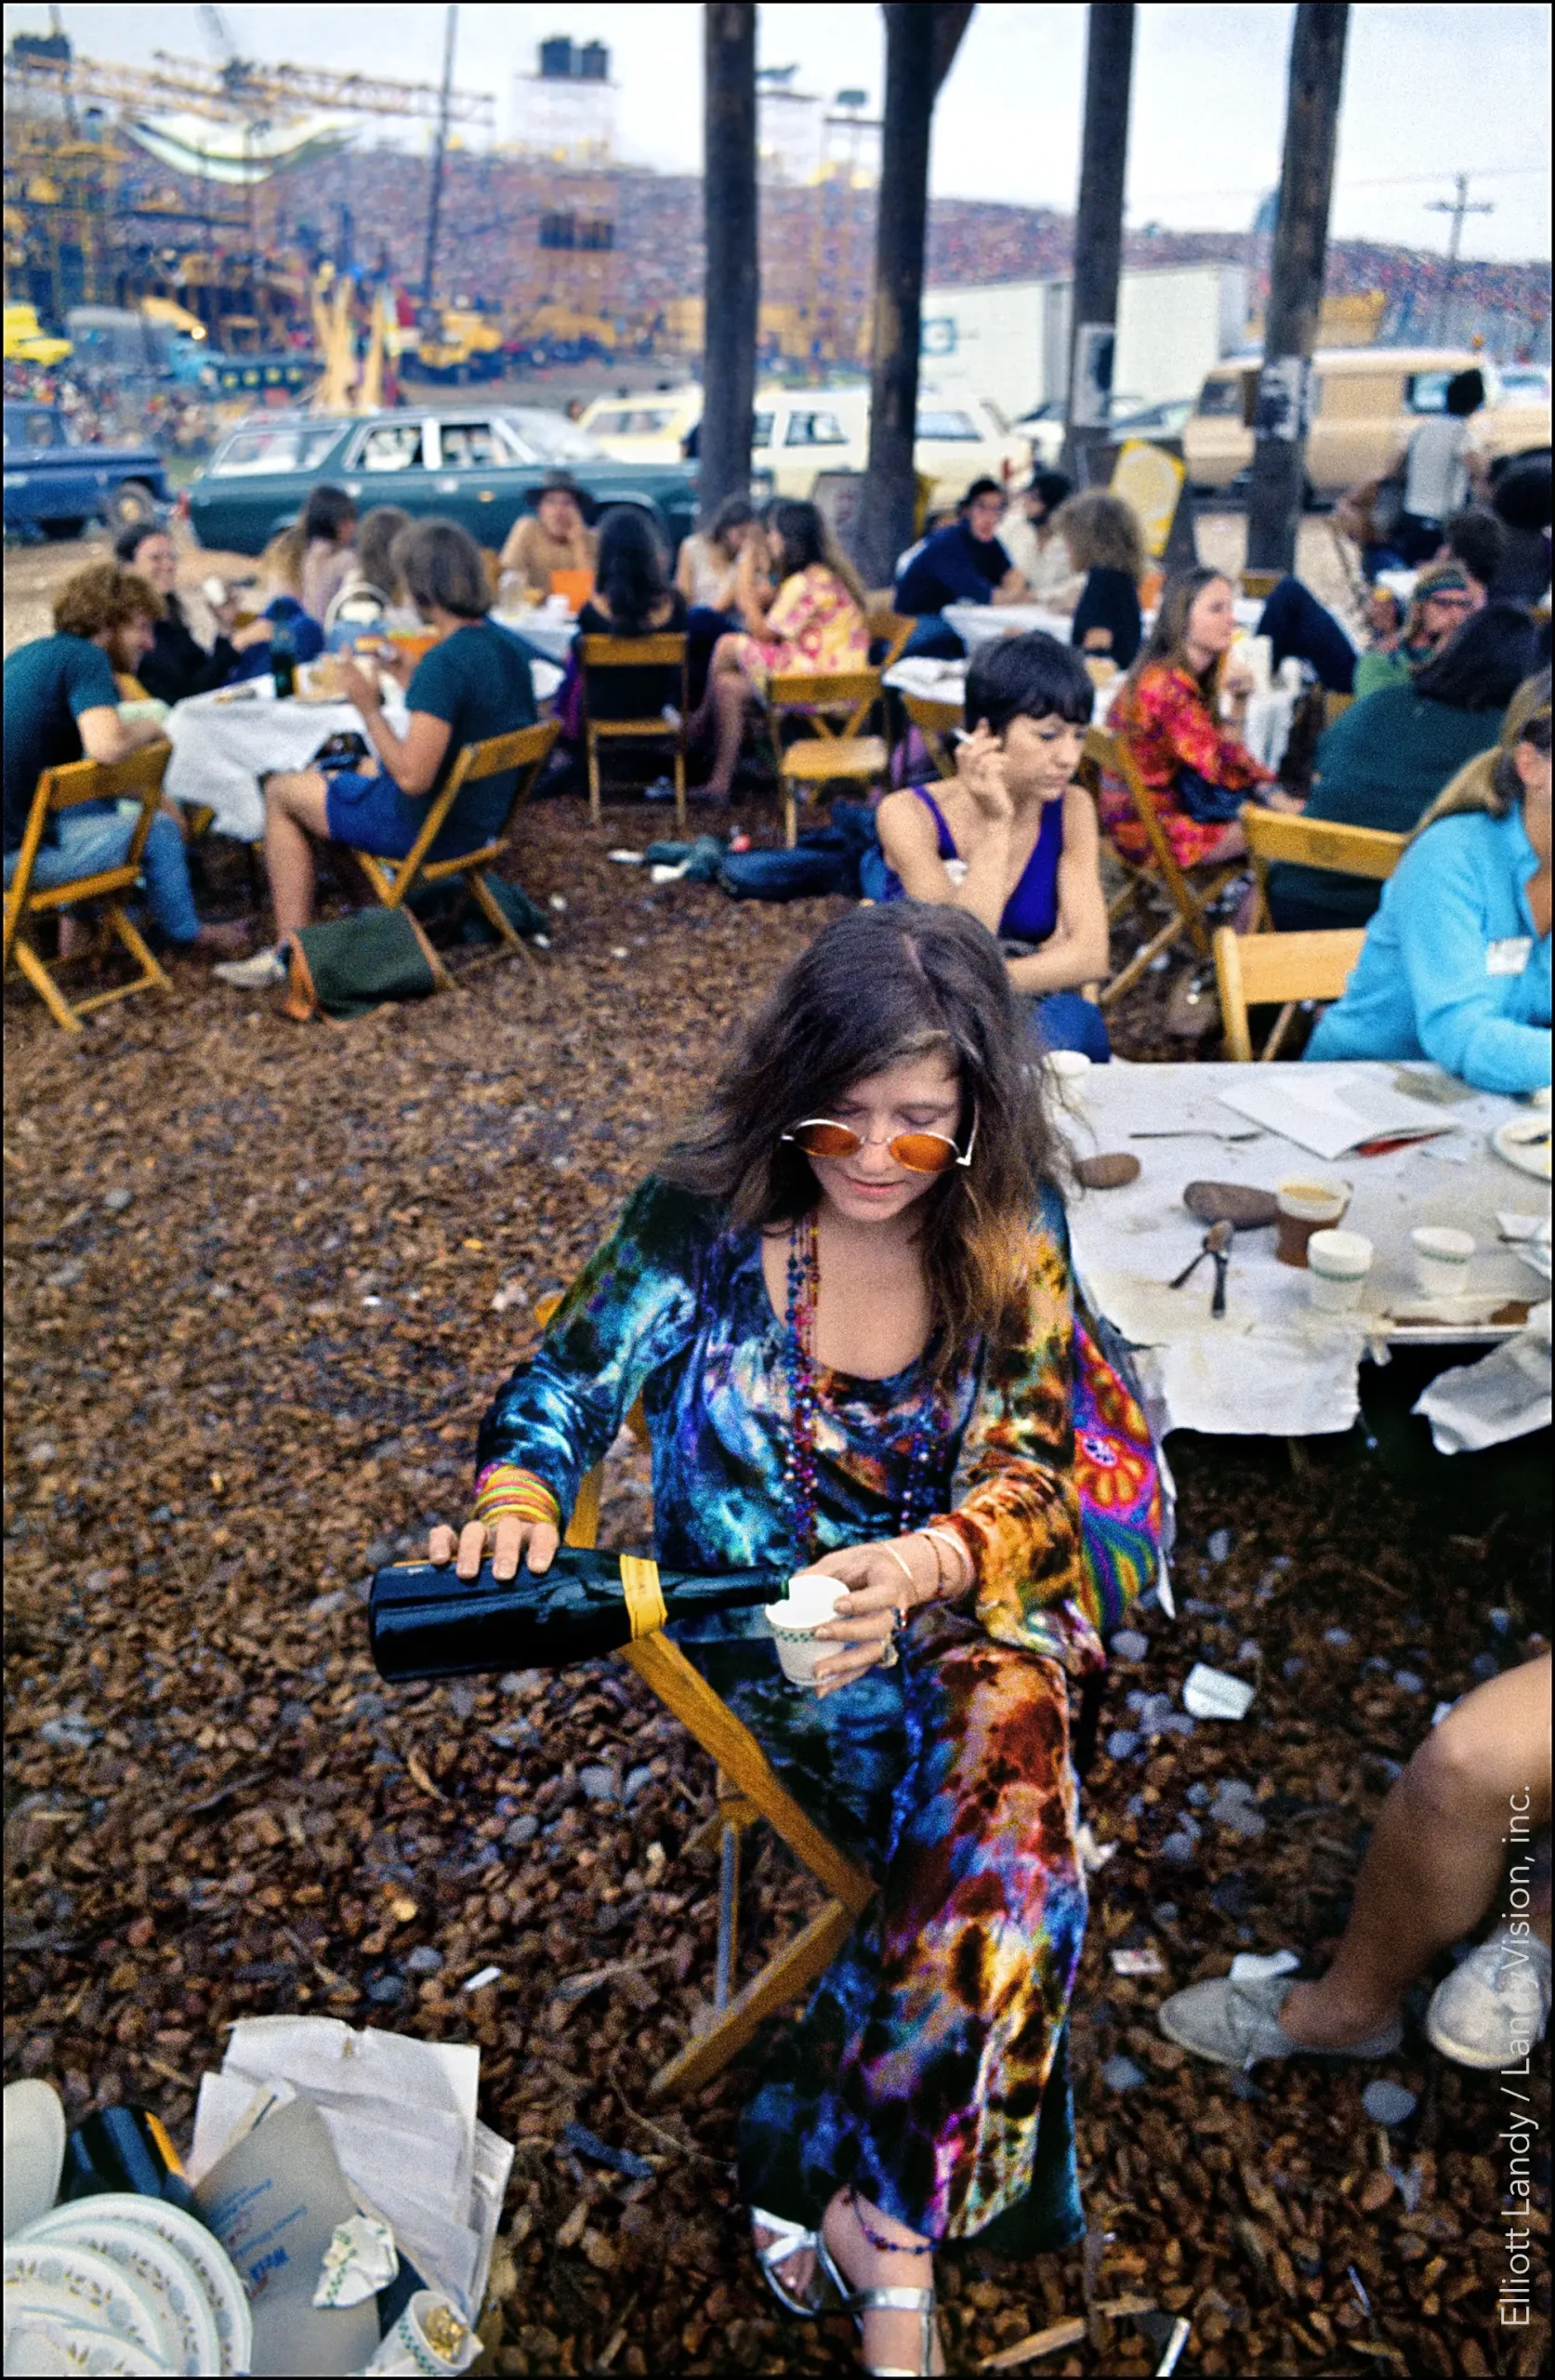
<point>426,1622</point>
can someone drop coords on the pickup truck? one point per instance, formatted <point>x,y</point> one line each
<point>54,485</point>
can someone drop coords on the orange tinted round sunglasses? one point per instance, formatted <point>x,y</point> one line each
<point>915,1152</point>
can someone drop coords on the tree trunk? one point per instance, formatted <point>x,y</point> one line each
<point>733,277</point>
<point>1279,475</point>
<point>1099,227</point>
<point>921,41</point>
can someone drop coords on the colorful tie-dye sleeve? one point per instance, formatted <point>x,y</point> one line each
<point>631,1310</point>
<point>1018,1515</point>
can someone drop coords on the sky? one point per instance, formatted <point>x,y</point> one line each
<point>1429,92</point>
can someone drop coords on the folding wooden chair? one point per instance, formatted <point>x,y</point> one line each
<point>1334,707</point>
<point>139,778</point>
<point>524,754</point>
<point>634,652</point>
<point>1315,843</point>
<point>1255,970</point>
<point>936,722</point>
<point>747,1790</point>
<point>1258,585</point>
<point>840,750</point>
<point>1190,897</point>
<point>891,628</point>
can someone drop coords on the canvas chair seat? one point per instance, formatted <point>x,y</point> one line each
<point>605,653</point>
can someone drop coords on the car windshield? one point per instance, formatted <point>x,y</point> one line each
<point>1221,398</point>
<point>551,438</point>
<point>638,421</point>
<point>44,430</point>
<point>278,446</point>
<point>935,421</point>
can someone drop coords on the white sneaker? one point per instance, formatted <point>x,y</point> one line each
<point>1496,2006</point>
<point>255,974</point>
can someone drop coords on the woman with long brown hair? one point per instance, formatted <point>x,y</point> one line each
<point>845,1303</point>
<point>1196,772</point>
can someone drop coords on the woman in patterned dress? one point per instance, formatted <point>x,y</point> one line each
<point>845,1299</point>
<point>815,624</point>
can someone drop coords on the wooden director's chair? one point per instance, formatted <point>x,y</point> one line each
<point>523,754</point>
<point>666,651</point>
<point>838,704</point>
<point>747,1790</point>
<point>1259,970</point>
<point>1189,896</point>
<point>936,722</point>
<point>1315,843</point>
<point>139,779</point>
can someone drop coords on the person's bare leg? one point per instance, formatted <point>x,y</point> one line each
<point>294,807</point>
<point>892,2341</point>
<point>731,694</point>
<point>1437,1856</point>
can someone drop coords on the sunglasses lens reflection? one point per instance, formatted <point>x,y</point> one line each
<point>924,1152</point>
<point>826,1140</point>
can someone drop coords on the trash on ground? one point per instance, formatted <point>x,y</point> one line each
<point>360,2260</point>
<point>1213,1693</point>
<point>1146,1961</point>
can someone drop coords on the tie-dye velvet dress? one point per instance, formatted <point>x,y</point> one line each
<point>928,2068</point>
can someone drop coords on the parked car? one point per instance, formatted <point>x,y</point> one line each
<point>798,433</point>
<point>1365,401</point>
<point>1166,419</point>
<point>1042,428</point>
<point>57,484</point>
<point>478,465</point>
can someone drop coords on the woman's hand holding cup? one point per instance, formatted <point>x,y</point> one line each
<point>884,1582</point>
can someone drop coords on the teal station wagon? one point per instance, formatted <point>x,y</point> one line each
<point>479,467</point>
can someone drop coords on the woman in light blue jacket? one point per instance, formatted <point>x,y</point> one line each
<point>1456,965</point>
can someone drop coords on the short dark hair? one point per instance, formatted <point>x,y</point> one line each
<point>983,486</point>
<point>1482,663</point>
<point>443,570</point>
<point>1478,541</point>
<point>128,542</point>
<point>1053,487</point>
<point>326,512</point>
<point>1523,495</point>
<point>1027,677</point>
<point>1465,393</point>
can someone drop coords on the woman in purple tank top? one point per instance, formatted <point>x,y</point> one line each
<point>1013,838</point>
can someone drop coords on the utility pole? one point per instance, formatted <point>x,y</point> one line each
<point>732,288</point>
<point>1295,278</point>
<point>1457,208</point>
<point>922,37</point>
<point>1099,227</point>
<point>439,146</point>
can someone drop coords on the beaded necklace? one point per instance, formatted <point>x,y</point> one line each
<point>804,1397</point>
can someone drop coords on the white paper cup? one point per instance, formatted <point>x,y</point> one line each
<point>795,1621</point>
<point>1337,1264</point>
<point>1441,1259</point>
<point>1068,1073</point>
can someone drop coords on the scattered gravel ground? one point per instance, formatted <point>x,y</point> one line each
<point>252,1272</point>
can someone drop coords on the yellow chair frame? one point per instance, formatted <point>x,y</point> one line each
<point>668,652</point>
<point>1190,900</point>
<point>747,1790</point>
<point>892,629</point>
<point>139,778</point>
<point>526,751</point>
<point>843,750</point>
<point>1315,843</point>
<point>1256,970</point>
<point>936,722</point>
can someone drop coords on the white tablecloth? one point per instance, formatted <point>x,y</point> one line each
<point>222,747</point>
<point>548,634</point>
<point>977,624</point>
<point>1273,1365</point>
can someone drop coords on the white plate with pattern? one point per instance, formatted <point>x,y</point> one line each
<point>1523,1141</point>
<point>213,2268</point>
<point>38,2343</point>
<point>190,2342</point>
<point>77,2289</point>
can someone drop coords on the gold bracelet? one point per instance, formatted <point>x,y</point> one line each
<point>937,1537</point>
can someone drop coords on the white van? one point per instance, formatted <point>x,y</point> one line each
<point>799,432</point>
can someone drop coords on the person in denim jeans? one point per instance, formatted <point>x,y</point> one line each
<point>62,705</point>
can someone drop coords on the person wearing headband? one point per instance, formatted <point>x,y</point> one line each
<point>845,1299</point>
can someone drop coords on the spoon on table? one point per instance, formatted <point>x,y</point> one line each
<point>1215,1241</point>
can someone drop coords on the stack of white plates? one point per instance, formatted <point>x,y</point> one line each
<point>120,2284</point>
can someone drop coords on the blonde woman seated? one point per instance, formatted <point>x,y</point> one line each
<point>1014,840</point>
<point>815,624</point>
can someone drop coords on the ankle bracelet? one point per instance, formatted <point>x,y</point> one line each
<point>878,2240</point>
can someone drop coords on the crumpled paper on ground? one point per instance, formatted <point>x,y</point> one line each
<point>1505,1396</point>
<point>400,2113</point>
<point>360,2260</point>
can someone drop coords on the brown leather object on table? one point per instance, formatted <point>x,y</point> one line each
<point>1106,1173</point>
<point>1231,1202</point>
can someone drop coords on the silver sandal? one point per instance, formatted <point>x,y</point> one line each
<point>788,2240</point>
<point>859,2302</point>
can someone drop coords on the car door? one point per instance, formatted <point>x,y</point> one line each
<point>394,461</point>
<point>814,439</point>
<point>469,474</point>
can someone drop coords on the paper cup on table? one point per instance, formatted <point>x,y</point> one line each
<point>1306,1203</point>
<point>1337,1264</point>
<point>1068,1075</point>
<point>812,1599</point>
<point>1442,1260</point>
